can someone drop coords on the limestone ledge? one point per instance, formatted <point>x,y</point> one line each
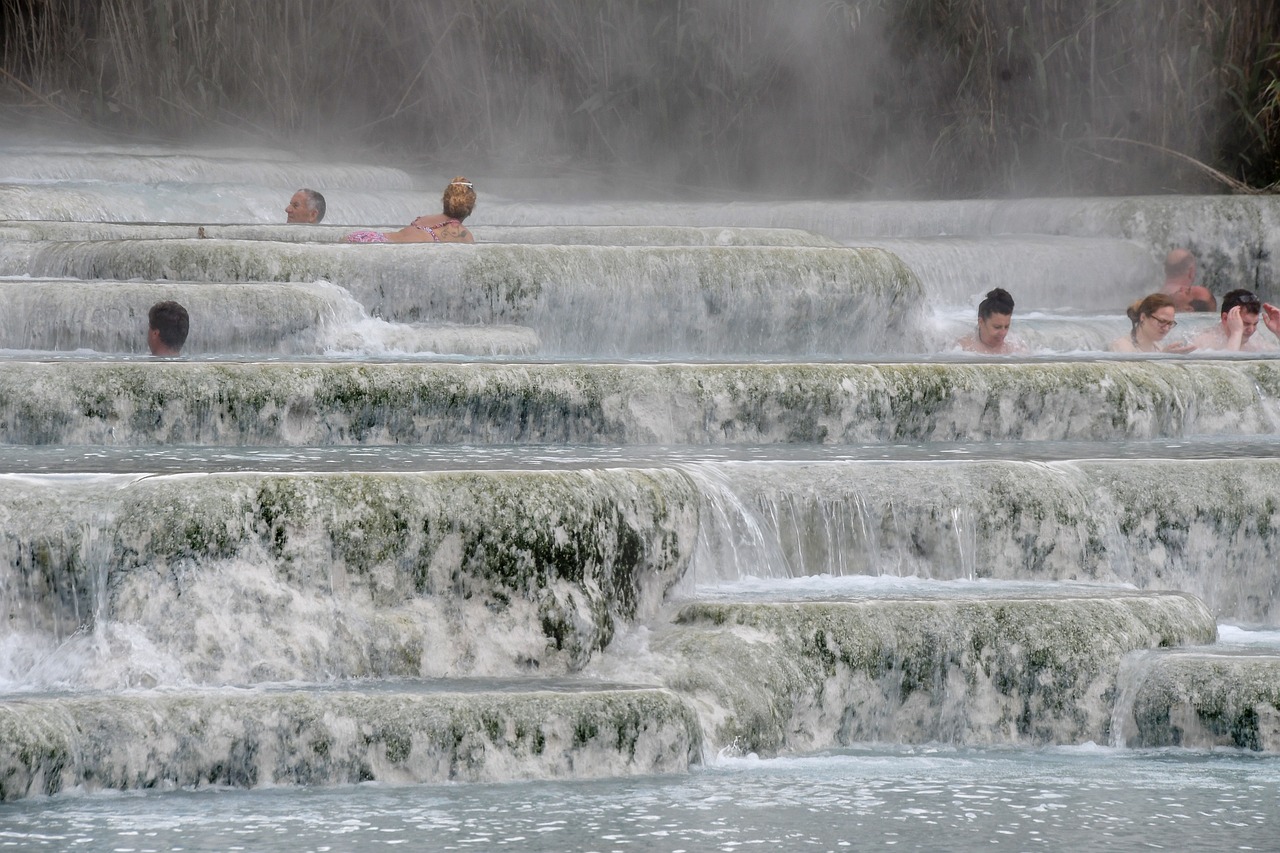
<point>801,676</point>
<point>1204,701</point>
<point>560,235</point>
<point>243,578</point>
<point>699,300</point>
<point>701,404</point>
<point>335,737</point>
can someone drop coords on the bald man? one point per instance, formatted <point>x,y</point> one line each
<point>1179,273</point>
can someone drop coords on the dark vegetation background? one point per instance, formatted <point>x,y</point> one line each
<point>865,98</point>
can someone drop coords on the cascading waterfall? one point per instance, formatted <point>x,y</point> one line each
<point>623,491</point>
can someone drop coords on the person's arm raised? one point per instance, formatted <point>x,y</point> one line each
<point>1271,317</point>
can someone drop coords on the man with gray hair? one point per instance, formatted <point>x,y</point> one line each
<point>306,207</point>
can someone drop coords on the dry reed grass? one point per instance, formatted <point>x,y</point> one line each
<point>914,97</point>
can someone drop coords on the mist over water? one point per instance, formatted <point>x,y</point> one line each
<point>669,512</point>
<point>851,97</point>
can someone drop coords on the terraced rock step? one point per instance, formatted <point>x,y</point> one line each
<point>805,675</point>
<point>598,301</point>
<point>712,404</point>
<point>1233,236</point>
<point>1203,700</point>
<point>120,582</point>
<point>560,235</point>
<point>334,736</point>
<point>127,167</point>
<point>240,319</point>
<point>1210,527</point>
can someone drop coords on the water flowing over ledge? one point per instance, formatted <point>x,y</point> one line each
<point>808,675</point>
<point>295,737</point>
<point>730,512</point>
<point>1206,700</point>
<point>370,404</point>
<point>603,300</point>
<point>240,579</point>
<point>1233,237</point>
<point>244,317</point>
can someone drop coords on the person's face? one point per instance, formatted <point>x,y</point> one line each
<point>1159,322</point>
<point>298,210</point>
<point>993,330</point>
<point>1250,324</point>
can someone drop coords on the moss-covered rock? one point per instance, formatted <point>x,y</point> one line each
<point>333,737</point>
<point>809,675</point>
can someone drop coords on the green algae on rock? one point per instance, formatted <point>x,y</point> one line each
<point>966,670</point>
<point>285,403</point>
<point>194,739</point>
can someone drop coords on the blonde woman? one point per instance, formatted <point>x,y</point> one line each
<point>444,227</point>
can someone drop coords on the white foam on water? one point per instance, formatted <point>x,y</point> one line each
<point>1233,635</point>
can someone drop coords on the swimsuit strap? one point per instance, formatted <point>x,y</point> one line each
<point>431,229</point>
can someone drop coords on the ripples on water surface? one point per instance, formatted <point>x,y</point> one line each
<point>1060,799</point>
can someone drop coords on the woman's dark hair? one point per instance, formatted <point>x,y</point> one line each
<point>998,301</point>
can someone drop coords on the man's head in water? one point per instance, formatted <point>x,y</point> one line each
<point>1250,308</point>
<point>1179,278</point>
<point>305,207</point>
<point>167,325</point>
<point>995,316</point>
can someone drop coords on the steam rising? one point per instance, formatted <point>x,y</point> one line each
<point>912,98</point>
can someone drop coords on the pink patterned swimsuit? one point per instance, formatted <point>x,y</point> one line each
<point>365,237</point>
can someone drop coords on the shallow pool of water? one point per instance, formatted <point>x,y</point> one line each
<point>924,798</point>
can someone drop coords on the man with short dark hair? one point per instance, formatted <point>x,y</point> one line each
<point>306,207</point>
<point>167,326</point>
<point>1179,275</point>
<point>1241,310</point>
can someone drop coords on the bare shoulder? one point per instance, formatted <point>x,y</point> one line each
<point>1121,345</point>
